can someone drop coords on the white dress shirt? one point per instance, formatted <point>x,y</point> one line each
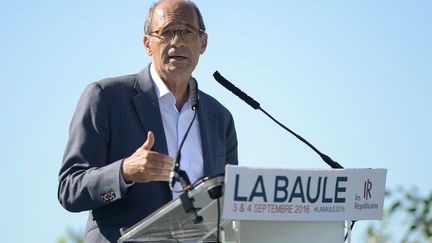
<point>175,124</point>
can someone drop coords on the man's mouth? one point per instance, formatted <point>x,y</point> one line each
<point>177,57</point>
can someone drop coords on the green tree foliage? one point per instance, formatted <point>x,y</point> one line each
<point>71,236</point>
<point>408,219</point>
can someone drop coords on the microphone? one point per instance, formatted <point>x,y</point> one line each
<point>193,93</point>
<point>177,174</point>
<point>250,101</point>
<point>231,87</point>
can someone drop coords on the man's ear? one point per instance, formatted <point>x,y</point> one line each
<point>203,42</point>
<point>146,41</point>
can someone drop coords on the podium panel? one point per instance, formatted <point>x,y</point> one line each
<point>291,232</point>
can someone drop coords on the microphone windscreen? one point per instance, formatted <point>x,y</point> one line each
<point>231,87</point>
<point>193,92</point>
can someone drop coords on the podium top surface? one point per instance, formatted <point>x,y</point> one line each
<point>171,223</point>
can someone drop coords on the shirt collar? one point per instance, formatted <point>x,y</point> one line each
<point>162,90</point>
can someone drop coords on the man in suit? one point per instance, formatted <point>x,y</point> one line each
<point>126,130</point>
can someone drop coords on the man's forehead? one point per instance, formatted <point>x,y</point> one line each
<point>174,13</point>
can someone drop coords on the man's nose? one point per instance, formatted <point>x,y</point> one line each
<point>177,39</point>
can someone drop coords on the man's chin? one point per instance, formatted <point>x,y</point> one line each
<point>180,63</point>
<point>179,69</point>
<point>175,72</point>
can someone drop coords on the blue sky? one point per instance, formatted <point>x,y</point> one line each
<point>354,78</point>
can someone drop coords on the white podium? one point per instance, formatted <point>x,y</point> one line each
<point>267,205</point>
<point>291,231</point>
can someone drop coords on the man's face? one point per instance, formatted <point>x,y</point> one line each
<point>175,57</point>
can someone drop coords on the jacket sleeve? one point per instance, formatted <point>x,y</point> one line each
<point>231,142</point>
<point>87,180</point>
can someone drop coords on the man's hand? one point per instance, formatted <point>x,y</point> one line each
<point>145,165</point>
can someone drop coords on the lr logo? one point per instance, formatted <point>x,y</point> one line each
<point>367,189</point>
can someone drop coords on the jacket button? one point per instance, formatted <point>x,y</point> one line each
<point>105,197</point>
<point>108,196</point>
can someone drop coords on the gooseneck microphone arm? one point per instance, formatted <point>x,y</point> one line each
<point>250,101</point>
<point>333,164</point>
<point>177,174</point>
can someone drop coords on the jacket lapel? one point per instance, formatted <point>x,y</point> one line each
<point>147,106</point>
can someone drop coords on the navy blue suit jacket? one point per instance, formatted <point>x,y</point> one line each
<point>111,121</point>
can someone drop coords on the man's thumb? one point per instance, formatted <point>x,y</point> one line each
<point>148,144</point>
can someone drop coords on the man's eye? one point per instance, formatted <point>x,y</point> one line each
<point>188,32</point>
<point>166,33</point>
